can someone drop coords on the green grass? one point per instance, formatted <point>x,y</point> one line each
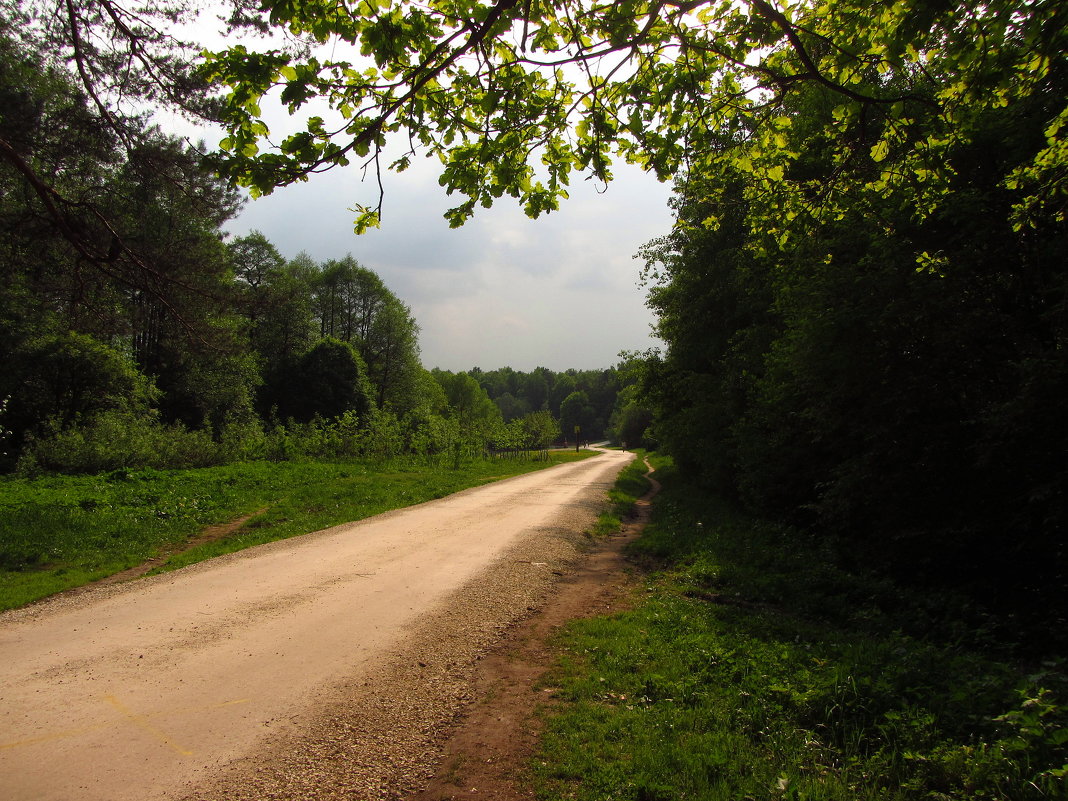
<point>631,484</point>
<point>749,668</point>
<point>60,532</point>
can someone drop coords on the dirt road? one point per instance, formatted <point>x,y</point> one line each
<point>325,666</point>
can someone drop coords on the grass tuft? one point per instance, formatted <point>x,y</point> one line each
<point>631,484</point>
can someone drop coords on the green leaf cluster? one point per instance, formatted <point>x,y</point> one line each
<point>512,96</point>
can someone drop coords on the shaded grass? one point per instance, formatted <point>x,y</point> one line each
<point>59,532</point>
<point>631,484</point>
<point>751,668</point>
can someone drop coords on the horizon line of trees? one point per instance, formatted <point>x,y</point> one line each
<point>590,405</point>
<point>132,332</point>
<point>321,359</point>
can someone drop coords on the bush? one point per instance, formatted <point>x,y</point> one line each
<point>430,435</point>
<point>242,441</point>
<point>328,381</point>
<point>117,439</point>
<point>57,380</point>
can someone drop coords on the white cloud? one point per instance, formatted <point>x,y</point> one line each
<point>560,291</point>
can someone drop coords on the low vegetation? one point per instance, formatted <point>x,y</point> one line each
<point>58,532</point>
<point>750,667</point>
<point>630,485</point>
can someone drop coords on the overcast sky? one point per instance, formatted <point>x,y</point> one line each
<point>560,291</point>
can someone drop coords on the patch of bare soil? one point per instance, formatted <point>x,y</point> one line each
<point>489,752</point>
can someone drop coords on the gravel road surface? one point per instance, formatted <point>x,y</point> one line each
<point>321,667</point>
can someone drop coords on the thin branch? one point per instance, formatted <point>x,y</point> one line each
<point>87,81</point>
<point>775,16</point>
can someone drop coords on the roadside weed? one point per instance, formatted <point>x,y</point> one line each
<point>630,485</point>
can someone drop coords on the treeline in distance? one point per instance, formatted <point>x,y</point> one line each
<point>182,349</point>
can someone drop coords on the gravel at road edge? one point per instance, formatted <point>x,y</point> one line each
<point>378,736</point>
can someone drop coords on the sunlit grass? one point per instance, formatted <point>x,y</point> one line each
<point>61,532</point>
<point>630,485</point>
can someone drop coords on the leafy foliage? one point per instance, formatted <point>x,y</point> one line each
<point>62,378</point>
<point>89,186</point>
<point>884,372</point>
<point>594,409</point>
<point>113,235</point>
<point>329,380</point>
<point>513,97</point>
<point>156,355</point>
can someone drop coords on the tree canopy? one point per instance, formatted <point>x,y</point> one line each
<point>514,96</point>
<point>517,97</point>
<point>885,370</point>
<point>80,82</point>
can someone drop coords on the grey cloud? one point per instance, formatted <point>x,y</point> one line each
<point>560,291</point>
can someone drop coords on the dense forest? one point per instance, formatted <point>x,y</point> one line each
<point>892,375</point>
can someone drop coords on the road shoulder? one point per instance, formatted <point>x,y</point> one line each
<point>488,752</point>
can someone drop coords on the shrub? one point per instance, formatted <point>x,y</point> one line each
<point>328,381</point>
<point>57,380</point>
<point>117,439</point>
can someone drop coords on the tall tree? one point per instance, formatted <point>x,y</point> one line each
<point>254,261</point>
<point>353,304</point>
<point>563,385</point>
<point>467,400</point>
<point>165,297</point>
<point>576,417</point>
<point>534,389</point>
<point>392,347</point>
<point>889,377</point>
<point>186,331</point>
<point>118,61</point>
<point>277,303</point>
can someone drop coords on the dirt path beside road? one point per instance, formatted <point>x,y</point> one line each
<point>327,666</point>
<point>488,753</point>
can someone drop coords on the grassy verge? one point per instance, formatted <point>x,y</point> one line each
<point>60,532</point>
<point>630,485</point>
<point>750,669</point>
